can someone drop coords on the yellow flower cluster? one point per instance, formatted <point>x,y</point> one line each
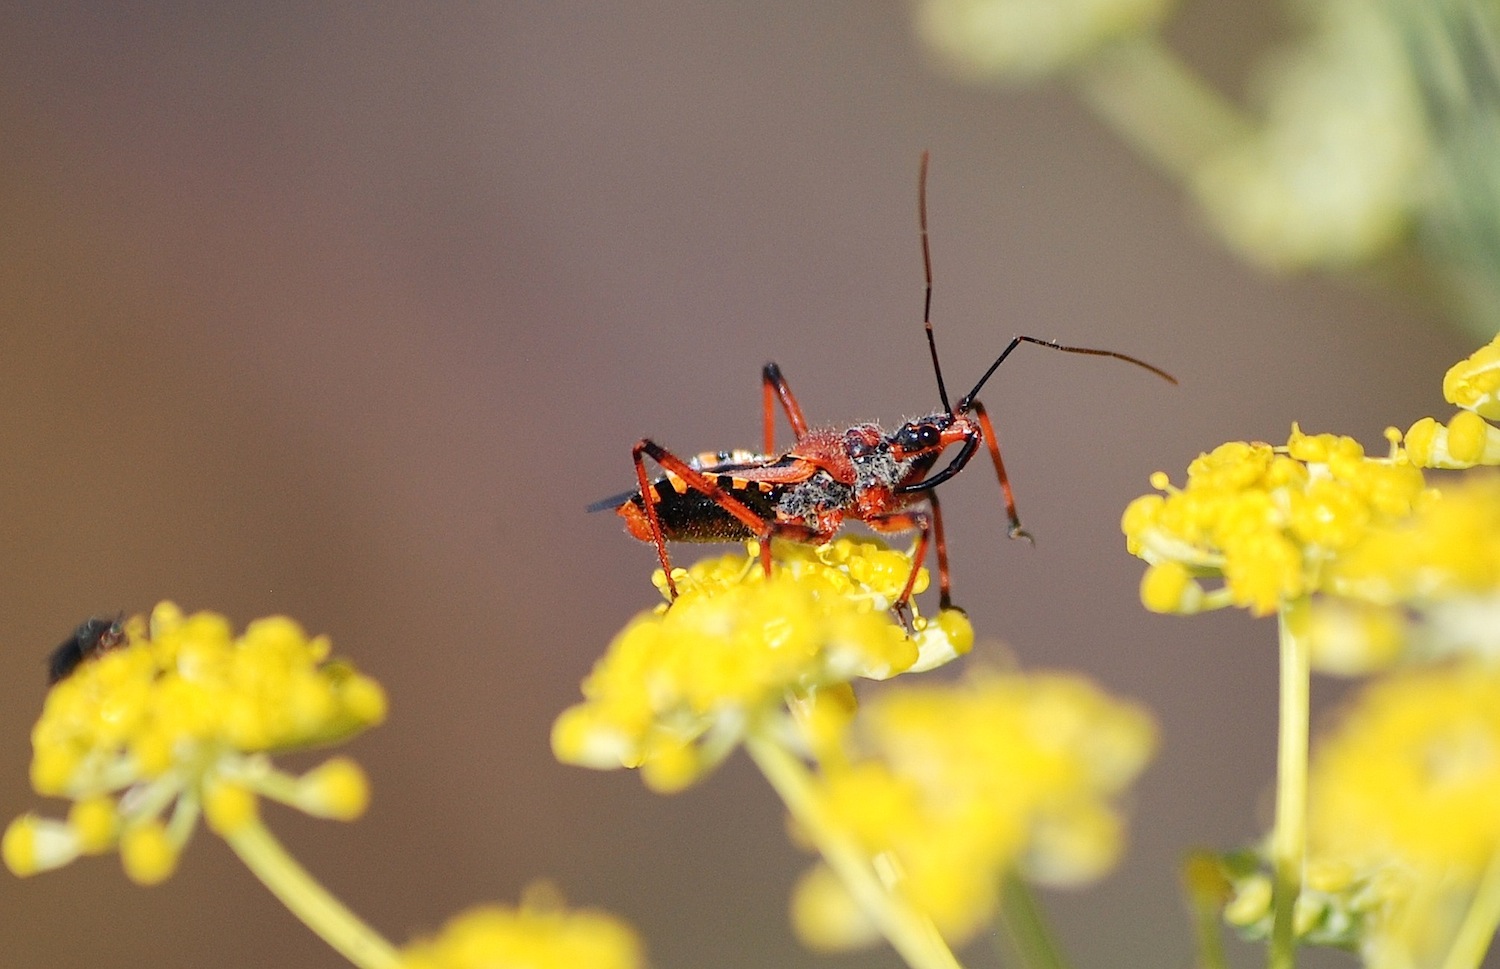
<point>1413,772</point>
<point>1367,565</point>
<point>1336,906</point>
<point>1441,566</point>
<point>952,788</point>
<point>530,937</point>
<point>1468,439</point>
<point>183,717</point>
<point>679,686</point>
<point>1267,520</point>
<point>1405,792</point>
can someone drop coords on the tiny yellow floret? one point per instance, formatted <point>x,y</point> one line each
<point>1169,587</point>
<point>96,822</point>
<point>148,854</point>
<point>1251,902</point>
<point>32,844</point>
<point>1467,441</point>
<point>826,917</point>
<point>1467,432</point>
<point>338,788</point>
<point>1474,383</point>
<point>228,806</point>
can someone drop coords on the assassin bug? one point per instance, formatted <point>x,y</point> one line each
<point>92,637</point>
<point>884,479</point>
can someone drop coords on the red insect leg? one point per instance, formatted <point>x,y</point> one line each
<point>1015,530</point>
<point>704,485</point>
<point>928,525</point>
<point>945,597</point>
<point>773,386</point>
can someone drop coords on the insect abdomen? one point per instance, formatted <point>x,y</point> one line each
<point>687,515</point>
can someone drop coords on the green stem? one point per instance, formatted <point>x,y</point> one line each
<point>1478,927</point>
<point>1210,942</point>
<point>1206,890</point>
<point>1027,928</point>
<point>308,900</point>
<point>1289,838</point>
<point>910,933</point>
<point>1155,103</point>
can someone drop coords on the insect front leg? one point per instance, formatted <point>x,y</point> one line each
<point>1014,530</point>
<point>928,524</point>
<point>774,387</point>
<point>704,485</point>
<point>945,595</point>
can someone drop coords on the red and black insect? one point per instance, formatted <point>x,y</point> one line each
<point>884,479</point>
<point>92,637</point>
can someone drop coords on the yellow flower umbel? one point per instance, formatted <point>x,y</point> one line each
<point>740,657</point>
<point>1266,520</point>
<point>541,934</point>
<point>1272,524</point>
<point>1405,793</point>
<point>179,722</point>
<point>949,790</point>
<point>679,687</point>
<point>1468,439</point>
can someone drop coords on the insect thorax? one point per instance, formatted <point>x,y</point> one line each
<point>877,468</point>
<point>806,501</point>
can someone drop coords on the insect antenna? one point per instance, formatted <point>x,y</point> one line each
<point>927,270</point>
<point>967,402</point>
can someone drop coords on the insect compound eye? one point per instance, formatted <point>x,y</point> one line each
<point>928,436</point>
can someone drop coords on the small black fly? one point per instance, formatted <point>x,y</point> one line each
<point>92,637</point>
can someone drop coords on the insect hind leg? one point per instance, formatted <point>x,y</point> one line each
<point>774,387</point>
<point>704,485</point>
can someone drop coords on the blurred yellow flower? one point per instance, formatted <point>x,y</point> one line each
<point>1336,905</point>
<point>534,936</point>
<point>1335,174</point>
<point>982,39</point>
<point>951,788</point>
<point>1405,794</point>
<point>1412,772</point>
<point>1433,578</point>
<point>183,717</point>
<point>679,687</point>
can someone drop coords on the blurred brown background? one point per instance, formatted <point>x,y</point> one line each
<point>347,312</point>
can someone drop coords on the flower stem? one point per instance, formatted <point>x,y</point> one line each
<point>308,900</point>
<point>910,933</point>
<point>1478,927</point>
<point>1206,890</point>
<point>1289,838</point>
<point>1155,103</point>
<point>1029,934</point>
